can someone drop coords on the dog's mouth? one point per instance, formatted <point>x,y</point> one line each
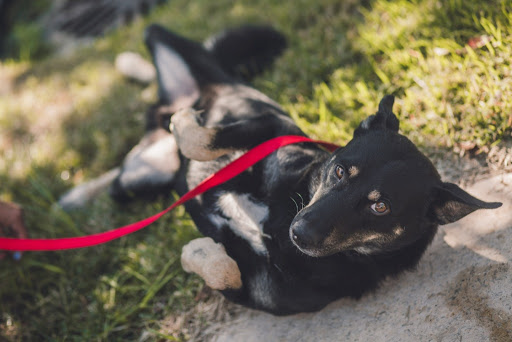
<point>330,246</point>
<point>327,250</point>
<point>316,252</point>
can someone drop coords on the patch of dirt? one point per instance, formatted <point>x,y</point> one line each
<point>203,321</point>
<point>465,168</point>
<point>467,297</point>
<point>499,157</point>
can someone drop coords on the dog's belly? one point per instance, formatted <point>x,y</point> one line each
<point>244,216</point>
<point>222,208</point>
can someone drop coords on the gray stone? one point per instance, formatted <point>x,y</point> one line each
<point>135,67</point>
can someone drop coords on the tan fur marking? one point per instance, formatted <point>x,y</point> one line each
<point>373,237</point>
<point>353,171</point>
<point>374,195</point>
<point>398,230</point>
<point>193,139</point>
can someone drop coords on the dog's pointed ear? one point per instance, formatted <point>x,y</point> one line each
<point>176,83</point>
<point>384,119</point>
<point>451,203</point>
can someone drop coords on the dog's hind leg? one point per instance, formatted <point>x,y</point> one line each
<point>192,76</point>
<point>147,171</point>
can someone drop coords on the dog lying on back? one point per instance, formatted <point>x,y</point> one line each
<point>369,209</point>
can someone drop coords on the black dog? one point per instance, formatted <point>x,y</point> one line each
<point>304,226</point>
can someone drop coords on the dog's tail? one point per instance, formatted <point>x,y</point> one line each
<point>246,51</point>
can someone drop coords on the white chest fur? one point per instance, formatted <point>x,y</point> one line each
<point>245,217</point>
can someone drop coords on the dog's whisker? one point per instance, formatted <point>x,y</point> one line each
<point>296,205</point>
<point>301,202</point>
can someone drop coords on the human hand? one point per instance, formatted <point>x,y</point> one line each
<point>12,225</point>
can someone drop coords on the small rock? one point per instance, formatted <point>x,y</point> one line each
<point>134,66</point>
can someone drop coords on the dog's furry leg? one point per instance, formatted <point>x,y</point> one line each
<point>203,143</point>
<point>80,195</point>
<point>209,260</point>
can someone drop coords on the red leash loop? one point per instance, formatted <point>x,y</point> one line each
<point>231,170</point>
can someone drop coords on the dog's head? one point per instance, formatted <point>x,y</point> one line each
<point>377,194</point>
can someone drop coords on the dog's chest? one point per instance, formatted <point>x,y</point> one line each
<point>243,215</point>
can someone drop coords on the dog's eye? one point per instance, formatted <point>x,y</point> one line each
<point>339,171</point>
<point>379,208</point>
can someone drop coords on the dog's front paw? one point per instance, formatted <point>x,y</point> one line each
<point>194,140</point>
<point>209,260</point>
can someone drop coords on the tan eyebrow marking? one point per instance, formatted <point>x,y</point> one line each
<point>374,195</point>
<point>353,171</point>
<point>398,230</point>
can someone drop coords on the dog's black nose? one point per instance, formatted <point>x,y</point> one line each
<point>304,235</point>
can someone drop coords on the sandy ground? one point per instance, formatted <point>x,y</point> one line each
<point>461,291</point>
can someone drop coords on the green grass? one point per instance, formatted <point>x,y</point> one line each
<point>65,120</point>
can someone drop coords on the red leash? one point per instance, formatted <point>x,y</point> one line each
<point>231,170</point>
